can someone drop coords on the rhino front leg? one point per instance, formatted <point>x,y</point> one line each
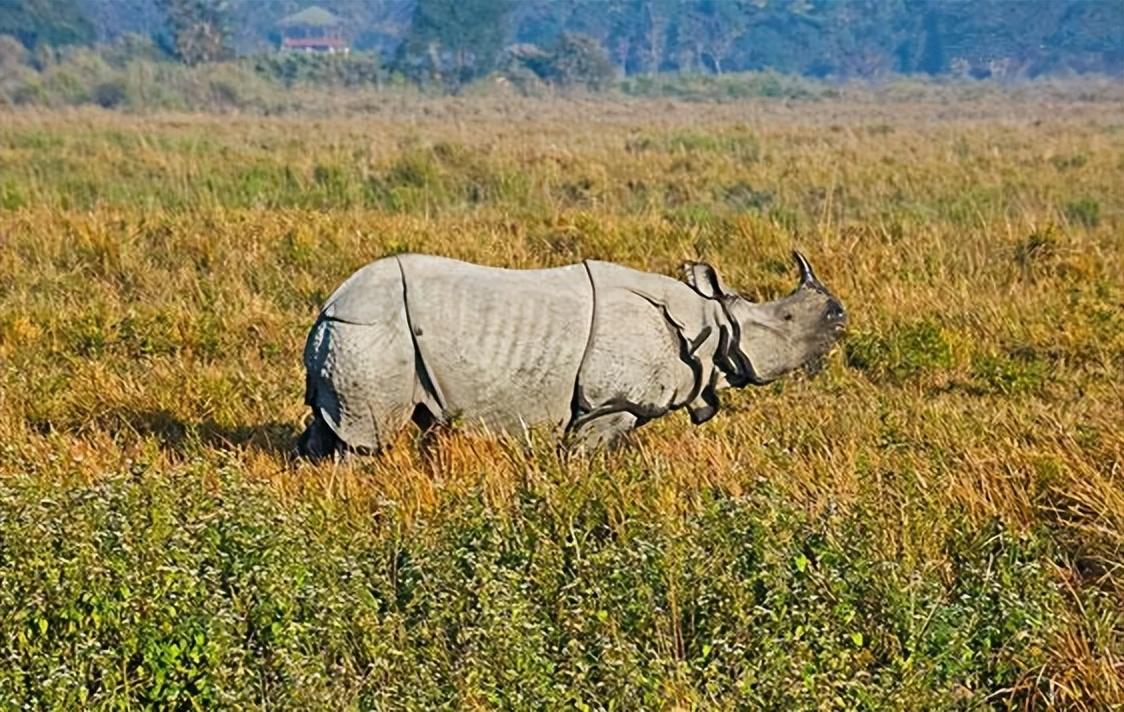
<point>602,430</point>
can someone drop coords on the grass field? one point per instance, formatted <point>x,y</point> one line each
<point>934,522</point>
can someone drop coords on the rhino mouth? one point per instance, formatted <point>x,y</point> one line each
<point>815,365</point>
<point>818,362</point>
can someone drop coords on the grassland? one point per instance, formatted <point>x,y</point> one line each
<point>936,521</point>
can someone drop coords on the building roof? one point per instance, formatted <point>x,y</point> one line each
<point>311,16</point>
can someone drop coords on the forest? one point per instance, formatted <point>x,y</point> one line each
<point>462,40</point>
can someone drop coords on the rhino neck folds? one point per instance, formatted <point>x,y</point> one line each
<point>736,368</point>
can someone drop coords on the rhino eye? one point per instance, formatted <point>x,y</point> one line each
<point>788,317</point>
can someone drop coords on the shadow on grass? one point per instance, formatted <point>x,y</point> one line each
<point>273,437</point>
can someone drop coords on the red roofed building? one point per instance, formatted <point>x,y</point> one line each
<point>313,29</point>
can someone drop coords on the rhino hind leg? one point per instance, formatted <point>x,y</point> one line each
<point>362,384</point>
<point>318,441</point>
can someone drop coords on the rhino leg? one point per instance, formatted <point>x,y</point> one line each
<point>318,441</point>
<point>603,430</point>
<point>362,384</point>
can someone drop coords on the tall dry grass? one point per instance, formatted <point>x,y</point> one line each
<point>157,276</point>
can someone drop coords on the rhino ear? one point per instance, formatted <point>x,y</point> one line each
<point>705,280</point>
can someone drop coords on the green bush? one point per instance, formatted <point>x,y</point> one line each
<point>903,352</point>
<point>708,87</point>
<point>1040,245</point>
<point>348,70</point>
<point>110,94</point>
<point>201,589</point>
<point>574,60</point>
<point>1085,212</point>
<point>1010,374</point>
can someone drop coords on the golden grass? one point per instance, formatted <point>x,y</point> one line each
<point>150,313</point>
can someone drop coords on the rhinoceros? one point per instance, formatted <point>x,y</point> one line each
<point>586,352</point>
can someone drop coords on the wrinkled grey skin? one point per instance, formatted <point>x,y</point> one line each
<point>587,352</point>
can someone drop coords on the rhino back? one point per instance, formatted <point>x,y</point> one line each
<point>366,295</point>
<point>502,347</point>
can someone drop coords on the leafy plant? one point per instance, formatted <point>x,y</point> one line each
<point>1085,212</point>
<point>1022,372</point>
<point>903,352</point>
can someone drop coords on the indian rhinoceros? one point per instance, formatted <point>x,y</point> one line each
<point>587,352</point>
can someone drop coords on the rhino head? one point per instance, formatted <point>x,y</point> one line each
<point>770,339</point>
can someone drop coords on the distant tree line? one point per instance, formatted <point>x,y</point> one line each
<point>589,41</point>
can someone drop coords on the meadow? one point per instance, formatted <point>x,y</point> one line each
<point>936,521</point>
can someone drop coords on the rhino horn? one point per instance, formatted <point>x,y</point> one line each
<point>807,276</point>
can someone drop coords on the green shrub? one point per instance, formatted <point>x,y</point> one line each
<point>906,351</point>
<point>297,68</point>
<point>200,589</point>
<point>1085,212</point>
<point>1069,162</point>
<point>30,92</point>
<point>12,195</point>
<point>743,196</point>
<point>1038,246</point>
<point>110,94</point>
<point>707,87</point>
<point>1010,374</point>
<point>574,60</point>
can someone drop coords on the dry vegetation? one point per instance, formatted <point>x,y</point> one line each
<point>935,521</point>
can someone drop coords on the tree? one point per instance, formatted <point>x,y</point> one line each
<point>200,29</point>
<point>657,18</point>
<point>12,54</point>
<point>574,60</point>
<point>112,19</point>
<point>52,22</point>
<point>709,28</point>
<point>459,39</point>
<point>932,51</point>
